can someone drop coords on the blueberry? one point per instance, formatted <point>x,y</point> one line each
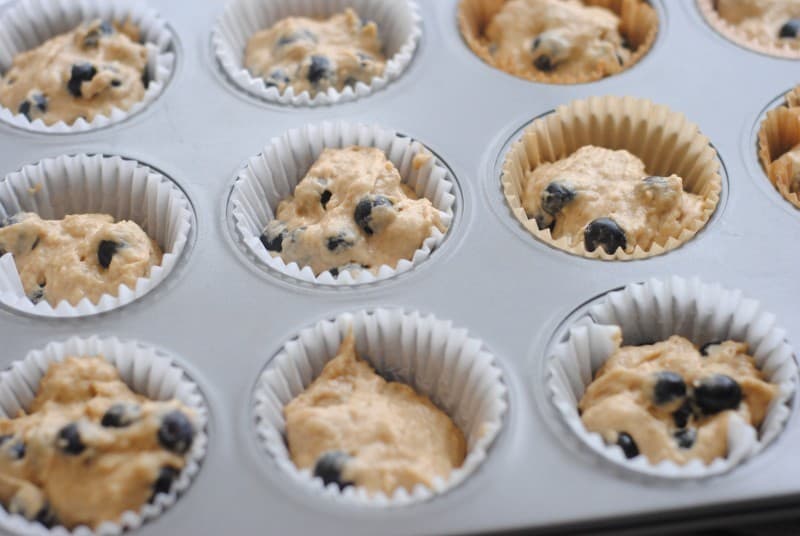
<point>324,197</point>
<point>626,43</point>
<point>37,102</point>
<point>273,236</point>
<point>338,242</point>
<point>604,232</point>
<point>682,414</point>
<point>363,212</point>
<point>628,445</point>
<point>707,346</point>
<point>46,516</point>
<point>15,451</point>
<point>166,476</point>
<point>685,438</point>
<point>717,393</point>
<point>329,468</point>
<point>276,78</point>
<point>116,83</point>
<point>669,387</point>
<point>69,440</point>
<point>81,72</point>
<point>544,221</point>
<point>120,415</point>
<point>555,197</point>
<point>37,294</point>
<point>300,35</point>
<point>544,63</point>
<point>790,29</point>
<point>20,504</point>
<point>620,60</point>
<point>106,28</point>
<point>106,251</point>
<point>145,78</point>
<point>25,109</point>
<point>92,38</point>
<point>176,432</point>
<point>319,68</point>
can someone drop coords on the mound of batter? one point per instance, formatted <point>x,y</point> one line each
<point>530,37</point>
<point>764,20</point>
<point>89,448</point>
<point>671,401</point>
<point>81,256</point>
<point>315,55</point>
<point>82,73</point>
<point>355,428</point>
<point>351,211</point>
<point>604,198</point>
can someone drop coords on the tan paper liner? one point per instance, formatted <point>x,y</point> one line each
<point>454,370</point>
<point>789,48</point>
<point>399,28</point>
<point>81,184</point>
<point>779,133</point>
<point>639,23</point>
<point>272,176</point>
<point>664,140</point>
<point>653,311</point>
<point>793,97</point>
<point>146,371</point>
<point>29,23</point>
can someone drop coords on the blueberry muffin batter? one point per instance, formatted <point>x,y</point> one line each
<point>82,73</point>
<point>81,256</point>
<point>350,212</point>
<point>352,427</point>
<point>316,55</point>
<point>764,20</point>
<point>89,448</point>
<point>605,199</point>
<point>671,401</point>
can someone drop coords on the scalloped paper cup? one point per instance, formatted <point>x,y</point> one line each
<point>664,140</point>
<point>455,371</point>
<point>653,311</point>
<point>399,27</point>
<point>82,184</point>
<point>272,176</point>
<point>778,134</point>
<point>29,23</point>
<point>793,97</point>
<point>146,371</point>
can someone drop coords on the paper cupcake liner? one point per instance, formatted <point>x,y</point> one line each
<point>455,371</point>
<point>789,49</point>
<point>29,23</point>
<point>779,133</point>
<point>793,97</point>
<point>639,23</point>
<point>272,176</point>
<point>653,311</point>
<point>146,371</point>
<point>399,25</point>
<point>664,140</point>
<point>85,184</point>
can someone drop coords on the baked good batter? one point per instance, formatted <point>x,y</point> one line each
<point>81,256</point>
<point>765,20</point>
<point>89,448</point>
<point>83,73</point>
<point>530,37</point>
<point>350,212</point>
<point>671,401</point>
<point>605,198</point>
<point>316,55</point>
<point>352,427</point>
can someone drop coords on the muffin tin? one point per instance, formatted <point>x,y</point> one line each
<point>224,316</point>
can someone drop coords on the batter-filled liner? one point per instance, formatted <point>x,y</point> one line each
<point>653,311</point>
<point>399,26</point>
<point>664,140</point>
<point>455,371</point>
<point>146,371</point>
<point>779,133</point>
<point>29,23</point>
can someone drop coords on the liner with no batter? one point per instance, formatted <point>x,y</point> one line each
<point>779,133</point>
<point>82,184</point>
<point>653,311</point>
<point>146,371</point>
<point>664,140</point>
<point>455,371</point>
<point>639,24</point>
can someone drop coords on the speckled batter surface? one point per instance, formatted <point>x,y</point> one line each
<point>669,400</point>
<point>315,55</point>
<point>82,73</point>
<point>350,212</point>
<point>763,20</point>
<point>578,195</point>
<point>81,256</point>
<point>383,434</point>
<point>89,448</point>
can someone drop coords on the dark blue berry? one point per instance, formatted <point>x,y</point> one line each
<point>145,78</point>
<point>685,438</point>
<point>120,416</point>
<point>329,468</point>
<point>628,445</point>
<point>166,476</point>
<point>717,393</point>
<point>69,440</point>
<point>276,78</point>
<point>555,197</point>
<point>38,101</point>
<point>681,415</point>
<point>604,232</point>
<point>363,212</point>
<point>273,236</point>
<point>669,387</point>
<point>544,63</point>
<point>707,346</point>
<point>37,294</point>
<point>790,29</point>
<point>106,251</point>
<point>338,242</point>
<point>46,516</point>
<point>81,72</point>
<point>324,197</point>
<point>320,68</point>
<point>301,35</point>
<point>176,432</point>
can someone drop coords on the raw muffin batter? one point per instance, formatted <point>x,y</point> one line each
<point>89,448</point>
<point>82,73</point>
<point>315,55</point>
<point>81,256</point>
<point>352,427</point>
<point>605,198</point>
<point>351,211</point>
<point>669,401</point>
<point>530,37</point>
<point>765,20</point>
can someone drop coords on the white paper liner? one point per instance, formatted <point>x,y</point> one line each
<point>455,371</point>
<point>399,28</point>
<point>653,311</point>
<point>80,184</point>
<point>146,371</point>
<point>29,23</point>
<point>272,176</point>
